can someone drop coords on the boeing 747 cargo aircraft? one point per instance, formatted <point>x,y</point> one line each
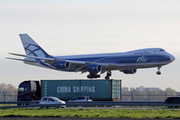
<point>95,64</point>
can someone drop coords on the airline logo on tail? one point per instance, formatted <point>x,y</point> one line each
<point>34,50</point>
<point>31,47</point>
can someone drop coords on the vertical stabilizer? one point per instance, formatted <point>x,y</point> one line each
<point>31,47</point>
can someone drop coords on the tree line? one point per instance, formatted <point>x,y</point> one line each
<point>8,92</point>
<point>147,94</point>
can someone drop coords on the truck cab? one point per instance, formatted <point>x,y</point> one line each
<point>29,90</point>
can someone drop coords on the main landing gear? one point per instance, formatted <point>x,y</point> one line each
<point>108,75</point>
<point>93,75</point>
<point>158,72</point>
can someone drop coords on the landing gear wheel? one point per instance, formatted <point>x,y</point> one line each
<point>93,75</point>
<point>89,76</point>
<point>158,73</point>
<point>108,75</point>
<point>98,76</point>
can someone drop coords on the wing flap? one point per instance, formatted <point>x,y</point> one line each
<point>81,68</point>
<point>76,62</point>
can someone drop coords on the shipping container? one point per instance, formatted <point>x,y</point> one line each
<point>98,90</point>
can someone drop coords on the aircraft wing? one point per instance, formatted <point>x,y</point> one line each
<point>82,66</point>
<point>75,65</point>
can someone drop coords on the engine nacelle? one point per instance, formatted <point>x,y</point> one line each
<point>129,71</point>
<point>94,68</point>
<point>62,65</point>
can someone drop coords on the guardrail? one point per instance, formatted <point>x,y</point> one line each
<point>26,104</point>
<point>110,103</point>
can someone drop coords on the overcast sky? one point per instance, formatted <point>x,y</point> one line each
<point>70,27</point>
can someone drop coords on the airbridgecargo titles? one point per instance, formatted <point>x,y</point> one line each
<point>76,89</point>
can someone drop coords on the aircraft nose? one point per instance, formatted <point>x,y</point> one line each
<point>172,58</point>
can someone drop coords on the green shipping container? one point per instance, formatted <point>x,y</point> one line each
<point>98,90</point>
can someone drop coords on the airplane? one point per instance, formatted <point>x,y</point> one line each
<point>95,64</point>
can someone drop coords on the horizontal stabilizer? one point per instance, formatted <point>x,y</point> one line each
<point>23,60</point>
<point>41,58</point>
<point>18,54</point>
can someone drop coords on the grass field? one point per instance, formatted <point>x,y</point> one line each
<point>92,113</point>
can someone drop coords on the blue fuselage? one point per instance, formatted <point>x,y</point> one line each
<point>144,58</point>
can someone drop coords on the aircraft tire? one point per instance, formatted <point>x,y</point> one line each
<point>158,73</point>
<point>107,77</point>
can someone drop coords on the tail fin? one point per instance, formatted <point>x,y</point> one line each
<point>31,47</point>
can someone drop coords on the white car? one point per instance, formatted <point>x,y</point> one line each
<point>81,99</point>
<point>52,100</point>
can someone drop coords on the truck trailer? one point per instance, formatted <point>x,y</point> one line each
<point>98,90</point>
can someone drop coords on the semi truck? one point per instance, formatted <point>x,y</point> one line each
<point>98,90</point>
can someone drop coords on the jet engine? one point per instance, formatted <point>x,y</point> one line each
<point>129,71</point>
<point>94,68</point>
<point>62,65</point>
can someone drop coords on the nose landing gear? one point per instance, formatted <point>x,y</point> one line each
<point>158,72</point>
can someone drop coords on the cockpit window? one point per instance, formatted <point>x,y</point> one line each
<point>161,50</point>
